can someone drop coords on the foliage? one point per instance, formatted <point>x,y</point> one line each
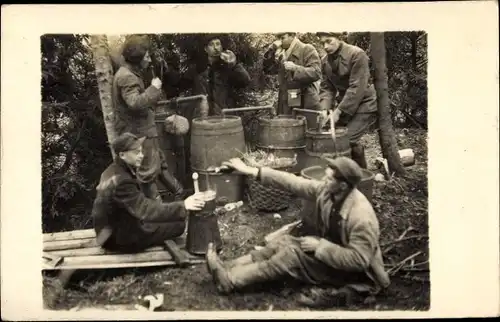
<point>74,144</point>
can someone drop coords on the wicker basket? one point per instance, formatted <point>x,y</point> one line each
<point>267,198</point>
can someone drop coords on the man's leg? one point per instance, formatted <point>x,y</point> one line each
<point>150,168</point>
<point>145,236</point>
<point>284,262</point>
<point>357,126</point>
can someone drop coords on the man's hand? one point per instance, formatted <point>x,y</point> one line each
<point>336,115</point>
<point>309,243</point>
<point>290,66</point>
<point>239,165</point>
<point>277,44</point>
<point>156,82</point>
<point>195,202</point>
<point>228,57</point>
<point>322,118</point>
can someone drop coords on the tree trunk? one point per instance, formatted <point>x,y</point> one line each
<point>387,136</point>
<point>104,74</point>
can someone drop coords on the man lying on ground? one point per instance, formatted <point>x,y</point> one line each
<point>125,219</point>
<point>343,251</point>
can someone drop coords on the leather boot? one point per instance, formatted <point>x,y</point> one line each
<point>172,184</point>
<point>228,280</point>
<point>358,154</point>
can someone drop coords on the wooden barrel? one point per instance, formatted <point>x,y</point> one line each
<point>365,186</point>
<point>284,136</point>
<point>229,186</point>
<point>216,139</point>
<point>320,144</point>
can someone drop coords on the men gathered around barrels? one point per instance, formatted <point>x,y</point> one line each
<point>125,219</point>
<point>298,66</point>
<point>340,249</point>
<point>134,106</point>
<point>220,77</point>
<point>346,79</point>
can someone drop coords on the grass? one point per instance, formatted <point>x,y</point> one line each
<point>399,203</point>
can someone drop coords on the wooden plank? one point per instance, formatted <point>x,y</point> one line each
<point>101,251</point>
<point>69,235</point>
<point>95,251</point>
<point>120,258</point>
<point>180,257</point>
<point>51,260</point>
<point>65,266</point>
<point>70,244</point>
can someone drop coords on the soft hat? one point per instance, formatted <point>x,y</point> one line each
<point>127,142</point>
<point>176,124</point>
<point>135,48</point>
<point>347,168</point>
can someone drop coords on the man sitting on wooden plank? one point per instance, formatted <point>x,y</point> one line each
<point>124,218</point>
<point>342,251</point>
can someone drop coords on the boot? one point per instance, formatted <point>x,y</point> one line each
<point>236,277</point>
<point>358,154</point>
<point>172,184</point>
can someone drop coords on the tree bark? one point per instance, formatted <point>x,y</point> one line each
<point>387,136</point>
<point>104,74</point>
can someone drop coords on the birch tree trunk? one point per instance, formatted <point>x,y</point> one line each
<point>104,74</point>
<point>387,136</point>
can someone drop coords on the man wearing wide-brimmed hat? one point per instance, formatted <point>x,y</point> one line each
<point>346,80</point>
<point>124,218</point>
<point>298,67</point>
<point>134,106</point>
<point>220,76</point>
<point>341,250</point>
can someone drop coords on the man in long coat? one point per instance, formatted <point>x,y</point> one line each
<point>343,249</point>
<point>221,77</point>
<point>124,218</point>
<point>346,80</point>
<point>298,67</point>
<point>135,113</point>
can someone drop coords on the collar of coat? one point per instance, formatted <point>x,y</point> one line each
<point>134,69</point>
<point>348,203</point>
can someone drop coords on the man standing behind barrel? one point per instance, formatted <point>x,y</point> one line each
<point>221,77</point>
<point>346,72</point>
<point>135,112</point>
<point>298,66</point>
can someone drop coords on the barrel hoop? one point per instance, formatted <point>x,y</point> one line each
<point>317,154</point>
<point>279,147</point>
<point>212,132</point>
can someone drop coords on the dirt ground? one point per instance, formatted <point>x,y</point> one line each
<point>399,203</point>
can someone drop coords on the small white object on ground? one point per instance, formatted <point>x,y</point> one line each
<point>379,177</point>
<point>277,216</point>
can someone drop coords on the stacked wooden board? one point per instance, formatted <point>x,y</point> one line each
<point>78,249</point>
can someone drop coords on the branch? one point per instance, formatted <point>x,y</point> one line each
<point>67,161</point>
<point>401,240</point>
<point>400,265</point>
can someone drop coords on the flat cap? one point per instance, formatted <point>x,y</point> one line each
<point>347,169</point>
<point>127,142</point>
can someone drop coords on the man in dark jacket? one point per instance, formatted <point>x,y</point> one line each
<point>298,66</point>
<point>124,218</point>
<point>135,112</point>
<point>221,77</point>
<point>346,79</point>
<point>343,251</point>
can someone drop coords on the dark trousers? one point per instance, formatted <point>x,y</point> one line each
<point>145,236</point>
